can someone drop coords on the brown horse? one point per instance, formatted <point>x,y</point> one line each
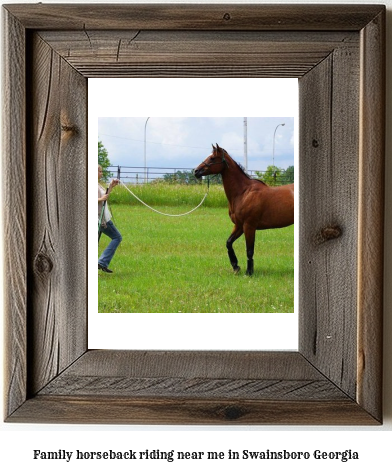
<point>253,205</point>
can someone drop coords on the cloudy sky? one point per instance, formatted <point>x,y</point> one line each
<point>187,115</point>
<point>185,141</point>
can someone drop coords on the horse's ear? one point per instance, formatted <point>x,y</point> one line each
<point>217,147</point>
<point>213,147</point>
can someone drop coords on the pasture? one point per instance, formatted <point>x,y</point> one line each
<point>180,264</point>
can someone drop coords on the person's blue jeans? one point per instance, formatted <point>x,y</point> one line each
<point>115,236</point>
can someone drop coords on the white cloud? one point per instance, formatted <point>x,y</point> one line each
<point>186,141</point>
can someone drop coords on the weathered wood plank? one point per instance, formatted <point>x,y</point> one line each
<point>57,177</point>
<point>117,45</point>
<point>371,216</point>
<point>207,364</point>
<point>192,17</point>
<point>328,210</point>
<point>84,40</point>
<point>14,212</point>
<point>188,387</point>
<point>215,70</point>
<point>206,374</point>
<point>58,409</point>
<point>122,53</point>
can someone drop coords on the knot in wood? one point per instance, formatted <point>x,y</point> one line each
<point>69,128</point>
<point>227,16</point>
<point>315,143</point>
<point>328,233</point>
<point>43,264</point>
<point>232,412</point>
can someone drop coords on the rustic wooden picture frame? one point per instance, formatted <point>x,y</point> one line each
<point>337,52</point>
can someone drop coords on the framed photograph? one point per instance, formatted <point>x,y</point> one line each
<point>337,52</point>
<point>181,265</point>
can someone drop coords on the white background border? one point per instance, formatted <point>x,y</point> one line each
<point>373,443</point>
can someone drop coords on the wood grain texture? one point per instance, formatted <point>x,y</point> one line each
<point>192,387</point>
<point>57,185</point>
<point>338,52</point>
<point>195,53</point>
<point>201,387</point>
<point>206,374</point>
<point>14,212</point>
<point>371,216</point>
<point>208,364</point>
<point>195,17</point>
<point>329,201</point>
<point>104,410</point>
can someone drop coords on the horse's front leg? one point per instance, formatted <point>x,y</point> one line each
<point>250,235</point>
<point>236,233</point>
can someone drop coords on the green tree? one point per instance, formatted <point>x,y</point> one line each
<point>103,160</point>
<point>180,177</point>
<point>288,175</point>
<point>272,176</point>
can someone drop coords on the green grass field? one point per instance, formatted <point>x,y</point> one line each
<point>169,264</point>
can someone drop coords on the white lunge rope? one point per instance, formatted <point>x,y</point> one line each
<point>162,213</point>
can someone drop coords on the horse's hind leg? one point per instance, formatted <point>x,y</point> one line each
<point>236,233</point>
<point>250,235</point>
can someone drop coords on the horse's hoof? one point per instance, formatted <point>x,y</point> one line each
<point>237,270</point>
<point>249,274</point>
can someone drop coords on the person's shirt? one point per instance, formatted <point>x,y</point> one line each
<point>107,215</point>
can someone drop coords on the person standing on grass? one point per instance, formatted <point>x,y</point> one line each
<point>107,226</point>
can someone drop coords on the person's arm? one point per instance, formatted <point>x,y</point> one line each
<point>113,184</point>
<point>103,198</point>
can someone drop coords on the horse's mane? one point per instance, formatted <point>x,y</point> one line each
<point>241,167</point>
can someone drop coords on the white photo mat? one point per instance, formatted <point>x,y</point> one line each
<point>186,98</point>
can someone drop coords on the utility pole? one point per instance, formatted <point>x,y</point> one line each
<point>273,145</point>
<point>145,156</point>
<point>246,143</point>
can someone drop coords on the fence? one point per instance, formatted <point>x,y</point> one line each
<point>141,175</point>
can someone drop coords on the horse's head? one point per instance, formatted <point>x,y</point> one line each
<point>213,164</point>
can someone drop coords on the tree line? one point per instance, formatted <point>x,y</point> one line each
<point>273,176</point>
